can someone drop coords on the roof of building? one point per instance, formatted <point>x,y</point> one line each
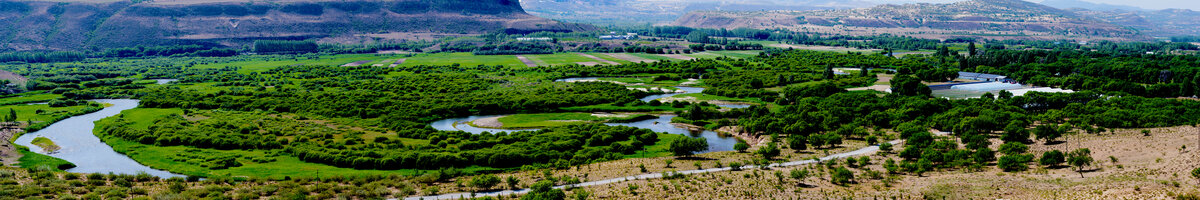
<point>979,75</point>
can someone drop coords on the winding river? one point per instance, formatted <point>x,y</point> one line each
<point>81,147</point>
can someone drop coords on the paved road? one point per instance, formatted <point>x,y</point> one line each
<point>858,152</point>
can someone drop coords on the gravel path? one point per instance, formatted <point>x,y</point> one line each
<point>862,151</point>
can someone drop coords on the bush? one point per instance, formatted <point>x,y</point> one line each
<point>1014,163</point>
<point>1052,158</point>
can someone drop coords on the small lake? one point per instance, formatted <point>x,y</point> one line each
<point>164,81</point>
<point>81,147</point>
<point>734,105</point>
<point>716,141</point>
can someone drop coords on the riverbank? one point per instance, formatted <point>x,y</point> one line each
<point>83,148</point>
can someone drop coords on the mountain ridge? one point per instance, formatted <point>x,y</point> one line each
<point>997,19</point>
<point>46,25</point>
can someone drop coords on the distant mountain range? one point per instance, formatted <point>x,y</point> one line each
<point>1075,4</point>
<point>58,25</point>
<point>1001,19</point>
<point>626,12</point>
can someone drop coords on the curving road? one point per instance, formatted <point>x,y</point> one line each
<point>864,150</point>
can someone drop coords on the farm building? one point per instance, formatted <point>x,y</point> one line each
<point>982,77</point>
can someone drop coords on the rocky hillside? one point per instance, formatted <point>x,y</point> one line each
<point>664,11</point>
<point>976,18</point>
<point>1161,23</point>
<point>36,25</point>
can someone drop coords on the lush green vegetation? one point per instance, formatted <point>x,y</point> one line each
<point>296,116</point>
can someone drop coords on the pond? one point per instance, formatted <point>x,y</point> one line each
<point>716,141</point>
<point>81,147</point>
<point>164,81</point>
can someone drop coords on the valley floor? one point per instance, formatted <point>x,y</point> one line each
<point>1145,167</point>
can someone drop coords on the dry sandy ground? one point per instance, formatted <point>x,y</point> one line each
<point>629,167</point>
<point>490,122</point>
<point>598,59</point>
<point>1147,167</point>
<point>882,84</point>
<point>630,58</point>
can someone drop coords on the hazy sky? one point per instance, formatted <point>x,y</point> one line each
<point>1148,4</point>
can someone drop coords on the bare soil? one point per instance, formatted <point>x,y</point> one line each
<point>490,122</point>
<point>1147,167</point>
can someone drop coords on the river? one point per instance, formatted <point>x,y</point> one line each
<point>716,141</point>
<point>81,147</point>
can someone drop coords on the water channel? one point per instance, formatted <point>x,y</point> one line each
<point>81,147</point>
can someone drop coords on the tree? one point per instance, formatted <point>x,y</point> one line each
<point>797,142</point>
<point>1015,132</point>
<point>1014,163</point>
<point>512,182</point>
<point>544,190</point>
<point>841,176</point>
<point>12,115</point>
<point>741,146</point>
<point>1013,148</point>
<point>885,147</point>
<point>829,72</point>
<point>484,182</point>
<point>1052,158</point>
<point>1196,174</point>
<point>908,85</point>
<point>1005,94</point>
<point>1080,158</point>
<point>800,175</point>
<point>688,146</point>
<point>768,152</point>
<point>669,162</point>
<point>971,49</point>
<point>1047,132</point>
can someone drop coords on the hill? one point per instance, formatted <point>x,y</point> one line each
<point>37,25</point>
<point>999,19</point>
<point>664,11</point>
<point>1160,23</point>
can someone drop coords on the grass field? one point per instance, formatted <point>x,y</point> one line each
<point>463,59</point>
<point>32,160</point>
<point>659,149</point>
<point>560,59</point>
<point>618,108</point>
<point>31,112</point>
<point>609,58</point>
<point>264,63</point>
<point>273,163</point>
<point>521,121</point>
<point>652,56</point>
<point>29,97</point>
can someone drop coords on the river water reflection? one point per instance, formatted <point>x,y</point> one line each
<point>81,147</point>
